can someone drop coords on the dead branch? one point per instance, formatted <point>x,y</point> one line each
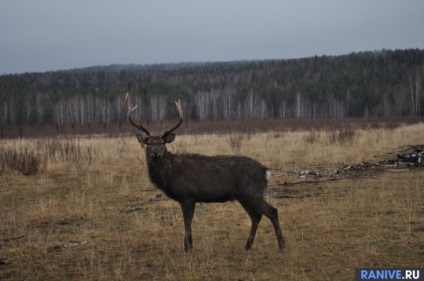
<point>7,239</point>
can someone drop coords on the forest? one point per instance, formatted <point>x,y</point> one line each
<point>384,83</point>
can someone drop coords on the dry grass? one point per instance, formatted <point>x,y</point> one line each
<point>366,222</point>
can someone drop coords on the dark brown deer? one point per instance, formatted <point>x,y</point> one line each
<point>191,178</point>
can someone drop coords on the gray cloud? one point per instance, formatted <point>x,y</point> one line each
<point>50,35</point>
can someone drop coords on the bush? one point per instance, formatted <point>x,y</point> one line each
<point>342,136</point>
<point>32,158</point>
<point>2,163</point>
<point>235,141</point>
<point>22,160</point>
<point>312,137</point>
<point>70,150</point>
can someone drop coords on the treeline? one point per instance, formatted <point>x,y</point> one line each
<point>368,84</point>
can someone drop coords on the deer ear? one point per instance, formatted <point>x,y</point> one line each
<point>142,138</point>
<point>169,138</point>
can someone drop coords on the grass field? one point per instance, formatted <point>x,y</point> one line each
<point>90,213</point>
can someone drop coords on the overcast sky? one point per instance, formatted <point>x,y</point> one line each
<point>44,35</point>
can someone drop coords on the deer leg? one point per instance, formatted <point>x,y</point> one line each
<point>188,212</point>
<point>255,217</point>
<point>272,213</point>
<point>262,207</point>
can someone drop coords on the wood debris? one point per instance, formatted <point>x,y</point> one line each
<point>69,245</point>
<point>8,239</point>
<point>140,206</point>
<point>407,158</point>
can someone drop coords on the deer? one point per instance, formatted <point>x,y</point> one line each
<point>193,178</point>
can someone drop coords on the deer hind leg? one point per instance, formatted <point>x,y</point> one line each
<point>255,217</point>
<point>188,212</point>
<point>272,213</point>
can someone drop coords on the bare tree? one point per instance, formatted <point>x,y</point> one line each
<point>214,95</point>
<point>282,109</point>
<point>264,109</point>
<point>415,93</point>
<point>58,112</point>
<point>227,97</point>
<point>202,101</point>
<point>298,107</point>
<point>413,99</point>
<point>251,105</point>
<point>157,107</point>
<point>191,178</point>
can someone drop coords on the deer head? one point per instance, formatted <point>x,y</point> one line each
<point>155,144</point>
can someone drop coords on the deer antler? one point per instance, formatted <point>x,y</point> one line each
<point>136,124</point>
<point>180,112</point>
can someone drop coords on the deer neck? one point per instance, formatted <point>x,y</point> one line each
<point>160,170</point>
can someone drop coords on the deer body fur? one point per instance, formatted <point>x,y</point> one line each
<point>207,178</point>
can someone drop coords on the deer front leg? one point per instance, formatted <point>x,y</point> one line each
<point>188,212</point>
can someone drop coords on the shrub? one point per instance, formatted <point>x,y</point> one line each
<point>70,150</point>
<point>343,135</point>
<point>235,141</point>
<point>2,162</point>
<point>25,160</point>
<point>312,137</point>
